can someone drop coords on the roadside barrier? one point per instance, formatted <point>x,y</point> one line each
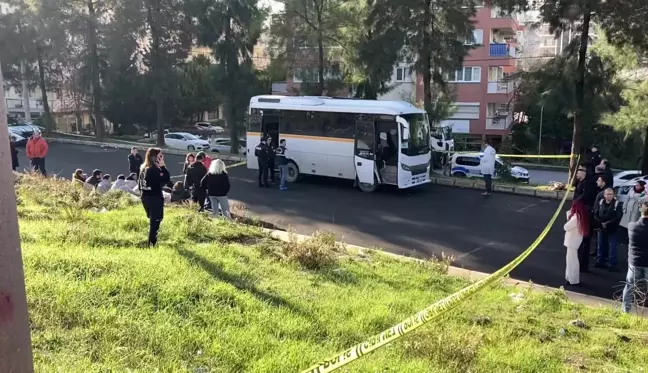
<point>432,312</point>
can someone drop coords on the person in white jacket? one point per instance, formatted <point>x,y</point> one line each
<point>487,166</point>
<point>104,185</point>
<point>576,228</point>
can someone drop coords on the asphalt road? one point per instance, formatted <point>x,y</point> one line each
<point>482,234</point>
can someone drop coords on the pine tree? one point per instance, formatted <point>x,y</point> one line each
<point>231,28</point>
<point>622,20</point>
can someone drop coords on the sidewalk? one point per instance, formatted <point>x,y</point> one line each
<point>89,141</point>
<point>584,299</point>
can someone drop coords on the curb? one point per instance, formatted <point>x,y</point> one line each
<point>587,300</point>
<point>225,157</point>
<point>501,188</point>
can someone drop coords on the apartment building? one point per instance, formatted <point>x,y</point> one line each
<point>483,97</point>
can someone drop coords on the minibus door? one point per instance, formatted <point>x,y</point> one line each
<point>365,151</point>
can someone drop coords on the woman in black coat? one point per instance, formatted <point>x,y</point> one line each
<point>14,154</point>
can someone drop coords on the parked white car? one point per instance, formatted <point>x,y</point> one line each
<point>467,165</point>
<point>209,128</point>
<point>184,140</point>
<point>17,138</point>
<point>624,176</point>
<point>623,189</point>
<point>224,145</point>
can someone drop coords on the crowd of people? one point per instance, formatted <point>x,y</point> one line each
<point>595,208</point>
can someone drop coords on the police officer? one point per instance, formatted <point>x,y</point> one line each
<point>154,176</point>
<point>282,162</point>
<point>271,159</point>
<point>262,152</point>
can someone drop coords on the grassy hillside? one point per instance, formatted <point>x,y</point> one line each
<point>217,296</point>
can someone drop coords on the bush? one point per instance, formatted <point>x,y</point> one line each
<point>320,251</point>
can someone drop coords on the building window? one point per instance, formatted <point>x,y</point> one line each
<point>468,74</point>
<point>476,38</point>
<point>495,73</point>
<point>403,74</point>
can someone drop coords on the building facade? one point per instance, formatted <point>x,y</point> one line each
<point>483,97</point>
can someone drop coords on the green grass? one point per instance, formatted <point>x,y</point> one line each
<point>217,296</point>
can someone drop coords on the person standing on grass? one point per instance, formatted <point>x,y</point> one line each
<point>608,214</point>
<point>194,176</point>
<point>14,153</point>
<point>282,162</point>
<point>586,192</point>
<point>37,149</point>
<point>637,256</point>
<point>134,161</point>
<point>217,185</point>
<point>488,166</point>
<point>575,229</point>
<point>153,177</point>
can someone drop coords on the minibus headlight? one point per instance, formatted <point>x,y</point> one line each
<point>405,167</point>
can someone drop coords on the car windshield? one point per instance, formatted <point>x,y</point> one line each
<point>191,137</point>
<point>419,141</point>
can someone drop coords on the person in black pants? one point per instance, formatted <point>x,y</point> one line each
<point>271,159</point>
<point>585,191</point>
<point>195,173</point>
<point>262,152</point>
<point>153,178</point>
<point>134,161</point>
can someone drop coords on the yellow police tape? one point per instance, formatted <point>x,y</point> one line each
<point>237,164</point>
<point>562,156</point>
<point>430,313</point>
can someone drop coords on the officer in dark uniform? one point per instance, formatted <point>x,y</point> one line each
<point>271,159</point>
<point>262,152</point>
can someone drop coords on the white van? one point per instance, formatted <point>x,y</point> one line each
<point>467,165</point>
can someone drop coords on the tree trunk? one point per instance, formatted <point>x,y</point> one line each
<point>580,91</point>
<point>159,114</point>
<point>15,342</point>
<point>100,130</point>
<point>231,73</point>
<point>426,58</point>
<point>47,115</point>
<point>25,91</point>
<point>320,62</point>
<point>155,72</point>
<point>644,161</point>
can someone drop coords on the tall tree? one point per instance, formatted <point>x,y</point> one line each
<point>548,91</point>
<point>168,28</point>
<point>197,89</point>
<point>39,40</point>
<point>622,20</point>
<point>371,51</point>
<point>433,37</point>
<point>632,118</point>
<point>308,26</point>
<point>231,29</point>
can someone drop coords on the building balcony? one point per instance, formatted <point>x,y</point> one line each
<point>501,50</point>
<point>501,87</point>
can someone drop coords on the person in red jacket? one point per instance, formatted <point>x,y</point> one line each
<point>37,151</point>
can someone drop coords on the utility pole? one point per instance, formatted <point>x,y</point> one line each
<point>25,91</point>
<point>540,135</point>
<point>15,341</point>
